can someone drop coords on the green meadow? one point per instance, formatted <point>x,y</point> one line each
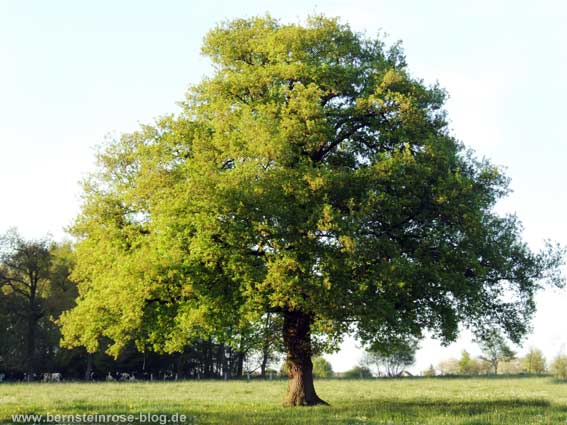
<point>463,401</point>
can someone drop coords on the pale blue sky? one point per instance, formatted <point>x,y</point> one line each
<point>72,72</point>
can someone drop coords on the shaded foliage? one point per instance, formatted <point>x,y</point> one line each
<point>34,290</point>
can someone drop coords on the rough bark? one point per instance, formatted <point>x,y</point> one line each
<point>297,341</point>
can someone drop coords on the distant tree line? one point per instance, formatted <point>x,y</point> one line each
<point>533,362</point>
<point>497,357</point>
<point>34,289</point>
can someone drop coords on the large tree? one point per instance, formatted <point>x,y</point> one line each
<point>310,177</point>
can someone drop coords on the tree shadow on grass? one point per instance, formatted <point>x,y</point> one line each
<point>419,407</point>
<point>399,412</point>
<point>377,412</point>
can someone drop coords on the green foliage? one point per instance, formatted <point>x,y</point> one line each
<point>558,366</point>
<point>261,344</point>
<point>34,290</point>
<point>468,365</point>
<point>322,368</point>
<point>358,372</point>
<point>534,362</point>
<point>392,358</point>
<point>312,173</point>
<point>495,350</point>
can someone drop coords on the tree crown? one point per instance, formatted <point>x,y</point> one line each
<point>309,173</point>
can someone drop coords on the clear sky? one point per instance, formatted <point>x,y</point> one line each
<point>73,72</point>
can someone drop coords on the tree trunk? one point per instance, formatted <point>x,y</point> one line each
<point>30,344</point>
<point>264,364</point>
<point>239,363</point>
<point>297,341</point>
<point>265,347</point>
<point>223,363</point>
<point>89,368</point>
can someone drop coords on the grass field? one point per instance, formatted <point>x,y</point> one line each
<point>475,401</point>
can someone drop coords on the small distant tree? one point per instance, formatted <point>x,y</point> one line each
<point>534,361</point>
<point>559,366</point>
<point>430,371</point>
<point>322,368</point>
<point>468,365</point>
<point>495,350</point>
<point>392,358</point>
<point>261,344</point>
<point>358,372</point>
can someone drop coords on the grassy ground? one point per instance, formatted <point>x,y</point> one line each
<point>475,401</point>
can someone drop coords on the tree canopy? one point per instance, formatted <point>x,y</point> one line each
<point>311,177</point>
<point>392,358</point>
<point>534,361</point>
<point>495,349</point>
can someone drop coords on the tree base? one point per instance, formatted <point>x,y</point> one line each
<point>297,339</point>
<point>295,402</point>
